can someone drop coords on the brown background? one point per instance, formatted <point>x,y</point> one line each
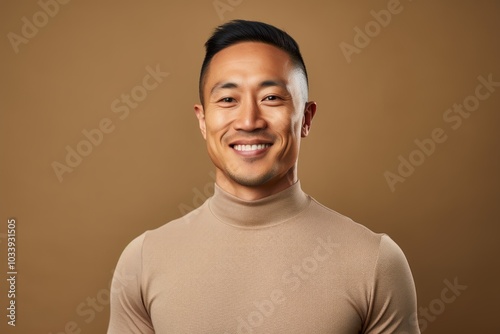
<point>153,166</point>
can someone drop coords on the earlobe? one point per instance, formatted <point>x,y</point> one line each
<point>200,114</point>
<point>309,112</point>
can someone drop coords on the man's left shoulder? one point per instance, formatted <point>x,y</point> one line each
<point>343,227</point>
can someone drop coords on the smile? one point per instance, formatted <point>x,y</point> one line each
<point>253,147</point>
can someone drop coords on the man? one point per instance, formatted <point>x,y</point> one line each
<point>260,256</point>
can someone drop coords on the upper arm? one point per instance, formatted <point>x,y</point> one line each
<point>393,303</point>
<point>127,311</point>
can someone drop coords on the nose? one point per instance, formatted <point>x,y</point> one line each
<point>249,117</point>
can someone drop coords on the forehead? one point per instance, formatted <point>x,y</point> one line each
<point>249,59</point>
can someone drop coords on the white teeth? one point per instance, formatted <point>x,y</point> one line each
<point>250,147</point>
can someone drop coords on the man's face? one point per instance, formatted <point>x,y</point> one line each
<point>254,115</point>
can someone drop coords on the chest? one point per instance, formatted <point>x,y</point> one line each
<point>253,292</point>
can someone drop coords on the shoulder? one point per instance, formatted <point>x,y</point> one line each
<point>158,245</point>
<point>391,259</point>
<point>345,229</point>
<point>131,255</point>
<point>173,235</point>
<point>359,243</point>
<point>127,308</point>
<point>392,297</point>
<point>179,226</point>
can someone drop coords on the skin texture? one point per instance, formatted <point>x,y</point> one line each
<point>254,94</point>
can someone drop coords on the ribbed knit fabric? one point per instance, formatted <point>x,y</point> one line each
<point>282,264</point>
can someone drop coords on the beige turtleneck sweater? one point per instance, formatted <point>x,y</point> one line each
<point>281,264</point>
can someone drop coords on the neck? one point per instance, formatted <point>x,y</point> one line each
<point>269,211</point>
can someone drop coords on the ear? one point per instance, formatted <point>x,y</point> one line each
<point>200,114</point>
<point>309,112</point>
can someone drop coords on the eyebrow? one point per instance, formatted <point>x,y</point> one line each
<point>263,84</point>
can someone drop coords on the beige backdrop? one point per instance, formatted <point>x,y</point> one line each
<point>380,87</point>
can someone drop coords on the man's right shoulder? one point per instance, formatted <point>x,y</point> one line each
<point>177,228</point>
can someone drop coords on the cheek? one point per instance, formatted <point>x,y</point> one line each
<point>290,138</point>
<point>216,128</point>
<point>290,128</point>
<point>217,122</point>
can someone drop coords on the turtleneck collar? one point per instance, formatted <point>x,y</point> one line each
<point>264,212</point>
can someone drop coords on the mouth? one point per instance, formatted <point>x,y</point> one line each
<point>250,147</point>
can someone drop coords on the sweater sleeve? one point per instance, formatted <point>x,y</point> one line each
<point>127,311</point>
<point>393,301</point>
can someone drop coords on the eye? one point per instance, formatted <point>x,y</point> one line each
<point>227,100</point>
<point>271,98</point>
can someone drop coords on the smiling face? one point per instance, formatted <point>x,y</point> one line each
<point>255,113</point>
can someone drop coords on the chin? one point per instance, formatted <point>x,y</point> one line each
<point>252,180</point>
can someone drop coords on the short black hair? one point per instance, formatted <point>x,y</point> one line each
<point>237,31</point>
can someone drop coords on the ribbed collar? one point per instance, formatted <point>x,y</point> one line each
<point>264,212</point>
